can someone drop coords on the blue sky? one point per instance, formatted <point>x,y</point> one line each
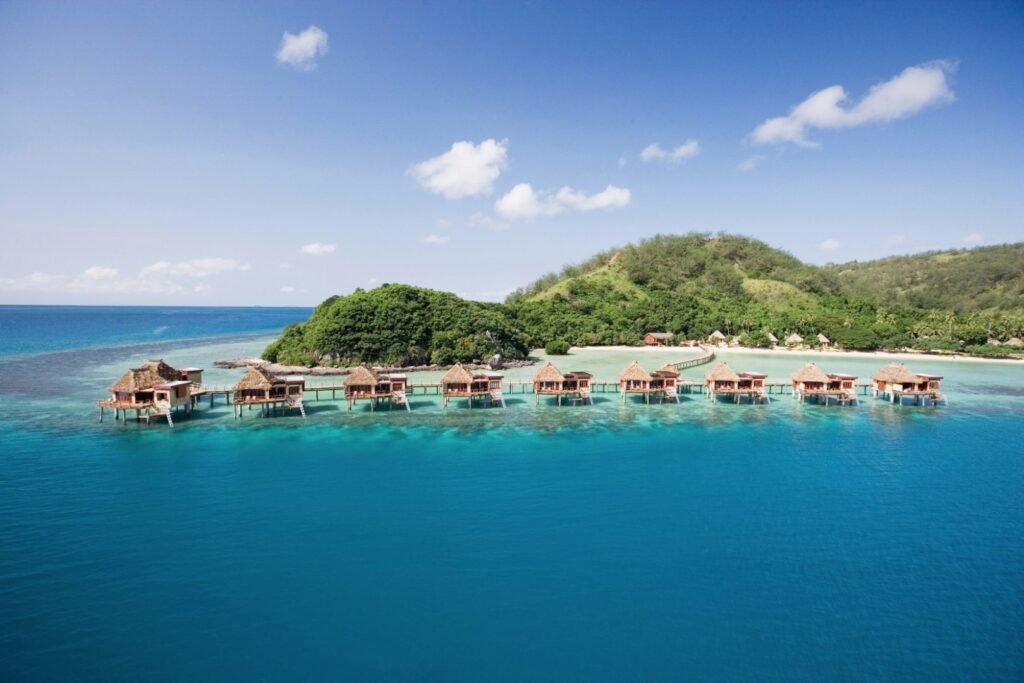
<point>193,153</point>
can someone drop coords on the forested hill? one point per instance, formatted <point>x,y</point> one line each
<point>697,283</point>
<point>964,280</point>
<point>690,285</point>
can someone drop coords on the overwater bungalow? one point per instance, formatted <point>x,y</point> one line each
<point>661,383</point>
<point>459,382</point>
<point>894,382</point>
<point>364,384</point>
<point>812,382</point>
<point>575,386</point>
<point>154,389</point>
<point>260,388</point>
<point>723,380</point>
<point>658,338</point>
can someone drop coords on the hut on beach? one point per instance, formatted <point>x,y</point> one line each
<point>459,382</point>
<point>794,340</point>
<point>723,380</point>
<point>823,341</point>
<point>364,384</point>
<point>658,338</point>
<point>773,339</point>
<point>716,337</point>
<point>258,387</point>
<point>548,381</point>
<point>812,382</point>
<point>1015,342</point>
<point>895,382</point>
<point>154,389</point>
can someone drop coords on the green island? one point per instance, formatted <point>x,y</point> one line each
<point>960,301</point>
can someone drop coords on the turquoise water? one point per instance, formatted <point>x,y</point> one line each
<point>613,542</point>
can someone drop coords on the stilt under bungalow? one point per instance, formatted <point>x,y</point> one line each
<point>574,386</point>
<point>153,390</point>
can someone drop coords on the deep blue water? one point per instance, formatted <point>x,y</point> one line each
<point>780,542</point>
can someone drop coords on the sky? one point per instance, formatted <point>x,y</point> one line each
<point>254,153</point>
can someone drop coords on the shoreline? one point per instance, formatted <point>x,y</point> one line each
<point>781,352</point>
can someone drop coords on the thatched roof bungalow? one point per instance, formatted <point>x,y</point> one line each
<point>259,386</point>
<point>658,338</point>
<point>459,382</point>
<point>794,340</point>
<point>363,383</point>
<point>722,379</point>
<point>810,380</point>
<point>894,381</point>
<point>823,340</point>
<point>549,381</point>
<point>1015,342</point>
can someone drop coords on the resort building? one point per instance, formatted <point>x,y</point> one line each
<point>154,389</point>
<point>812,382</point>
<point>364,384</point>
<point>723,380</point>
<point>823,341</point>
<point>260,388</point>
<point>894,382</point>
<point>658,338</point>
<point>716,337</point>
<point>1015,342</point>
<point>773,339</point>
<point>548,381</point>
<point>661,383</point>
<point>459,382</point>
<point>794,340</point>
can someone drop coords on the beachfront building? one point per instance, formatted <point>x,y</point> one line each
<point>794,340</point>
<point>895,382</point>
<point>268,392</point>
<point>364,384</point>
<point>459,382</point>
<point>810,381</point>
<point>1015,342</point>
<point>548,381</point>
<point>724,381</point>
<point>154,389</point>
<point>773,340</point>
<point>658,338</point>
<point>717,337</point>
<point>823,341</point>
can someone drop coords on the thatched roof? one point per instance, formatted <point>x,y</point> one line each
<point>722,372</point>
<point>810,373</point>
<point>822,339</point>
<point>1015,342</point>
<point>457,375</point>
<point>150,373</point>
<point>895,372</point>
<point>548,373</point>
<point>794,339</point>
<point>633,371</point>
<point>717,334</point>
<point>772,338</point>
<point>361,376</point>
<point>256,378</point>
<point>669,369</point>
<point>660,335</point>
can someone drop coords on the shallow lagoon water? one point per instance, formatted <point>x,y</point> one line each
<point>612,542</point>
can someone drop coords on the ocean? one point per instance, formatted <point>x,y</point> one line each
<point>613,542</point>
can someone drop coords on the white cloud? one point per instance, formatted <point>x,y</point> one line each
<point>317,249</point>
<point>912,90</point>
<point>687,150</point>
<point>196,268</point>
<point>972,238</point>
<point>750,163</point>
<point>436,239</point>
<point>99,273</point>
<point>895,240</point>
<point>465,170</point>
<point>522,202</point>
<point>829,245</point>
<point>300,51</point>
<point>162,277</point>
<point>610,197</point>
<point>481,219</point>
